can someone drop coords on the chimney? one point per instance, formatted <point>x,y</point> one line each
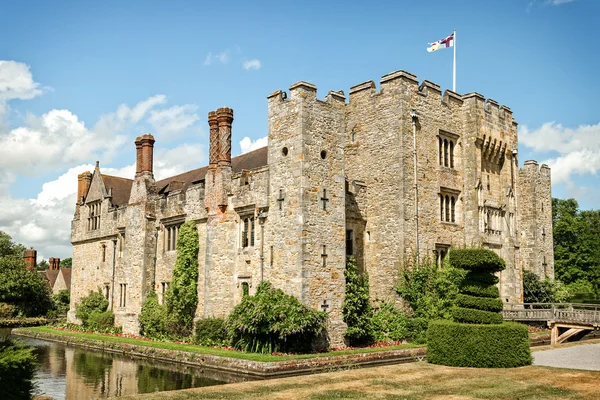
<point>54,263</point>
<point>225,118</point>
<point>30,257</point>
<point>144,146</point>
<point>51,263</point>
<point>215,147</point>
<point>84,181</point>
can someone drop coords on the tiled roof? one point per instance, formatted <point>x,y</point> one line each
<point>248,161</point>
<point>66,273</point>
<point>121,189</point>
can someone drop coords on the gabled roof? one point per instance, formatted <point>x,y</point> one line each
<point>248,161</point>
<point>66,273</point>
<point>121,189</point>
<point>50,275</point>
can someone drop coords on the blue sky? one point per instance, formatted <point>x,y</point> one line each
<point>80,80</point>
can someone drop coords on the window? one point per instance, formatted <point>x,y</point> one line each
<point>163,292</point>
<point>248,232</point>
<point>106,291</point>
<point>441,251</point>
<point>94,210</point>
<point>446,143</point>
<point>349,242</point>
<point>171,235</point>
<point>123,295</point>
<point>448,199</point>
<point>103,252</point>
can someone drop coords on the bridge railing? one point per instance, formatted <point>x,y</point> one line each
<point>563,312</point>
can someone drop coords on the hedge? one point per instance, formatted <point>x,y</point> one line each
<point>480,291</point>
<point>211,332</point>
<point>22,322</point>
<point>472,316</point>
<point>482,346</point>
<point>479,303</point>
<point>481,277</point>
<point>476,260</point>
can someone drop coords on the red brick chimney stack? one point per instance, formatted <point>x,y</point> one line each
<point>54,263</point>
<point>215,144</point>
<point>144,146</point>
<point>225,118</point>
<point>30,257</point>
<point>84,181</point>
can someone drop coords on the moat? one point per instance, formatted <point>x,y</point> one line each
<point>66,372</point>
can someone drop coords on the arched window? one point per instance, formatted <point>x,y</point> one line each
<point>441,207</point>
<point>447,208</point>
<point>451,154</point>
<point>452,204</point>
<point>441,143</point>
<point>445,152</point>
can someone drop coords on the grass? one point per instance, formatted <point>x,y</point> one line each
<point>210,350</point>
<point>416,381</point>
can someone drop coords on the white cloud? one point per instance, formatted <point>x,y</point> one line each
<point>16,82</point>
<point>247,145</point>
<point>252,64</point>
<point>578,149</point>
<point>173,120</point>
<point>559,2</point>
<point>222,57</point>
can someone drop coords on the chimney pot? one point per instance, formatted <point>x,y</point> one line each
<point>144,146</point>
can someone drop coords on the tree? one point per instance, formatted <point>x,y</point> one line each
<point>42,265</point>
<point>26,290</point>
<point>66,263</point>
<point>356,309</point>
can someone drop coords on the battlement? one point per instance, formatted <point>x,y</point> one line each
<point>532,167</point>
<point>304,92</point>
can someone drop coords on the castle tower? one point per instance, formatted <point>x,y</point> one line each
<point>307,199</point>
<point>535,219</point>
<point>216,297</point>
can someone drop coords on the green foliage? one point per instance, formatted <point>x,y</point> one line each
<point>7,310</point>
<point>576,243</point>
<point>356,308</point>
<point>582,291</point>
<point>61,301</point>
<point>95,301</point>
<point>42,265</point>
<point>480,260</point>
<point>17,366</point>
<point>430,291</point>
<point>390,324</point>
<point>22,322</point>
<point>211,332</point>
<point>481,346</point>
<point>182,296</point>
<point>66,263</point>
<point>273,321</point>
<point>101,321</point>
<point>475,316</point>
<point>477,277</point>
<point>536,290</point>
<point>480,291</point>
<point>480,303</point>
<point>26,290</point>
<point>152,317</point>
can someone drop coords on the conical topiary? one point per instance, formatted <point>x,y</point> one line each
<point>478,336</point>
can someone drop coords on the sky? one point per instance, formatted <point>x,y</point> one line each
<point>80,80</point>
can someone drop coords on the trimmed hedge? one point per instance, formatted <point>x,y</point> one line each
<point>476,260</point>
<point>481,346</point>
<point>472,316</point>
<point>479,303</point>
<point>481,277</point>
<point>211,332</point>
<point>22,322</point>
<point>481,291</point>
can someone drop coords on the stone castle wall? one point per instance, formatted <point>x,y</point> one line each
<point>339,179</point>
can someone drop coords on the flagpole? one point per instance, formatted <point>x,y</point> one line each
<point>454,67</point>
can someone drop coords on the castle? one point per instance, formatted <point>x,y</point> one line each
<point>388,176</point>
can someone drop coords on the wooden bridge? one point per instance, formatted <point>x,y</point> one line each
<point>565,319</point>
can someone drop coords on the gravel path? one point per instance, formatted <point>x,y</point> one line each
<point>584,356</point>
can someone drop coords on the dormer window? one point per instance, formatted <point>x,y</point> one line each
<point>94,210</point>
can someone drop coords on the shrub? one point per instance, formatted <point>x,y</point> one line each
<point>7,310</point>
<point>61,302</point>
<point>476,260</point>
<point>480,291</point>
<point>356,308</point>
<point>17,366</point>
<point>152,317</point>
<point>95,301</point>
<point>389,323</point>
<point>273,321</point>
<point>211,332</point>
<point>429,291</point>
<point>483,346</point>
<point>536,290</point>
<point>182,296</point>
<point>480,303</point>
<point>101,321</point>
<point>481,277</point>
<point>474,316</point>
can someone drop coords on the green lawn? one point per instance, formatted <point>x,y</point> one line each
<point>209,350</point>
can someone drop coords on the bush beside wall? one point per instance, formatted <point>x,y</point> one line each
<point>484,346</point>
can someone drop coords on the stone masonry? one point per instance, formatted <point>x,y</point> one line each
<point>392,177</point>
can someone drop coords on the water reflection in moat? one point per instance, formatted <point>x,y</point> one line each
<point>66,372</point>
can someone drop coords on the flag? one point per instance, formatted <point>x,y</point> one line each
<point>441,44</point>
